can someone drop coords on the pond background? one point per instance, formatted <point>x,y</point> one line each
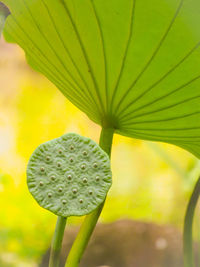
<point>152,182</point>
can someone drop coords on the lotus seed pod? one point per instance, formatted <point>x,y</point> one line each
<point>69,176</point>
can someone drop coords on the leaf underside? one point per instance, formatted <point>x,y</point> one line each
<point>129,64</point>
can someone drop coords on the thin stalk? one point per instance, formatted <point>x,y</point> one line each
<point>90,221</point>
<point>188,223</point>
<point>57,242</point>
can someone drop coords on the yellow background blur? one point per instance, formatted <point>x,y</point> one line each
<point>151,182</point>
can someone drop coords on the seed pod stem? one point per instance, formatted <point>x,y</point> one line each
<point>188,224</point>
<point>57,242</point>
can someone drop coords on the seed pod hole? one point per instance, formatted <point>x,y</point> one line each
<point>71,147</point>
<point>81,201</point>
<point>95,165</point>
<point>69,177</point>
<point>97,178</point>
<point>41,183</point>
<point>64,201</point>
<point>84,153</point>
<point>49,195</point>
<point>42,169</point>
<point>48,158</point>
<point>74,190</point>
<point>60,189</point>
<point>83,166</point>
<point>85,180</point>
<point>71,160</point>
<point>59,164</point>
<point>53,178</point>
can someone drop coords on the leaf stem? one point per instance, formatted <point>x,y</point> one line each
<point>90,221</point>
<point>57,242</point>
<point>188,223</point>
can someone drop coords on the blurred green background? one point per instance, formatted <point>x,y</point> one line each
<point>151,181</point>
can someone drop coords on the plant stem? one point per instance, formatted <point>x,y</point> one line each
<point>90,221</point>
<point>57,242</point>
<point>187,236</point>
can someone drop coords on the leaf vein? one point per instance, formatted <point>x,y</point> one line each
<point>151,58</point>
<point>126,116</point>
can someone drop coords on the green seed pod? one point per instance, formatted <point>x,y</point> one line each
<point>70,175</point>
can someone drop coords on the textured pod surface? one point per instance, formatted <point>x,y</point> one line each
<point>69,176</point>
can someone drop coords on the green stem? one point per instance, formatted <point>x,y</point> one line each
<point>57,242</point>
<point>188,223</point>
<point>90,221</point>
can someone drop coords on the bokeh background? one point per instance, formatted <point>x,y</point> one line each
<point>152,182</point>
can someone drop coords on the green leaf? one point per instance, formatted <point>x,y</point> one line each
<point>4,12</point>
<point>129,64</point>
